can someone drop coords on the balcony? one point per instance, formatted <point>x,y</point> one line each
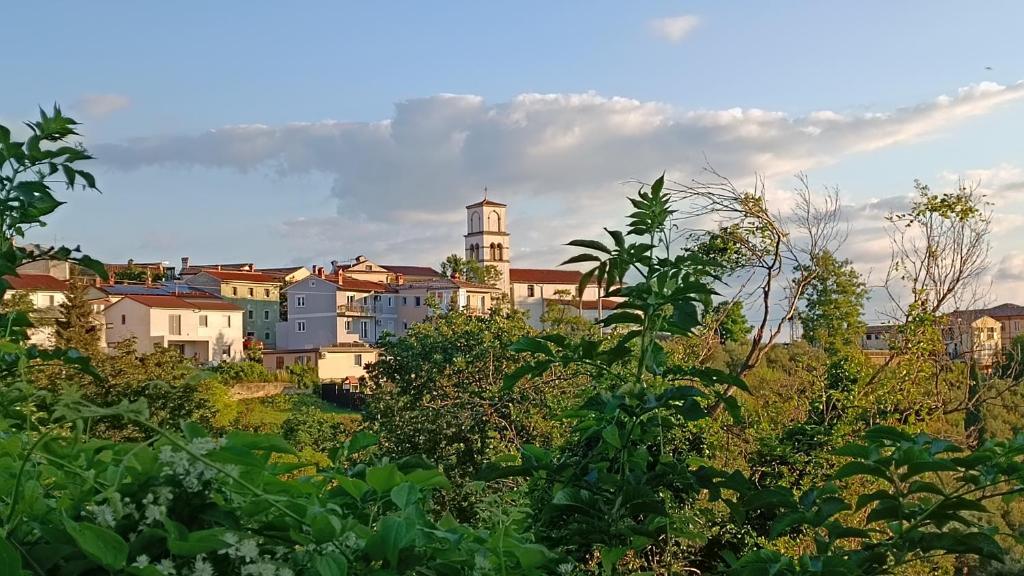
<point>354,310</point>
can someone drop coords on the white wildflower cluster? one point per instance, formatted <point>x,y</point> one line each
<point>180,464</point>
<point>110,511</point>
<point>154,505</point>
<point>247,550</point>
<point>566,568</point>
<point>482,565</point>
<point>165,566</point>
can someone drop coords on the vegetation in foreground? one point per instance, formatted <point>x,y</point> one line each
<point>569,453</point>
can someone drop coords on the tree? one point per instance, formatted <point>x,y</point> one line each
<point>78,326</point>
<point>134,273</point>
<point>438,392</point>
<point>757,245</point>
<point>471,270</point>
<point>564,317</point>
<point>730,322</point>
<point>832,302</point>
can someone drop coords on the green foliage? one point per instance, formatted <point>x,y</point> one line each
<point>438,392</point>
<point>310,427</point>
<point>832,303</point>
<point>471,270</point>
<point>1011,366</point>
<point>133,273</point>
<point>78,326</point>
<point>238,372</point>
<point>732,324</point>
<point>304,375</point>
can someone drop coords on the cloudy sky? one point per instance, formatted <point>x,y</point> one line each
<point>293,133</point>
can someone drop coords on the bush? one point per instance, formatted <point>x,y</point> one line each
<point>303,375</point>
<point>241,372</point>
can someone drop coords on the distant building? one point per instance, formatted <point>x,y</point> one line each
<point>1010,317</point>
<point>257,293</point>
<point>344,363</point>
<point>208,329</point>
<point>331,310</point>
<point>972,336</point>
<point>487,238</point>
<point>876,337</point>
<point>46,293</point>
<point>415,298</point>
<point>364,269</point>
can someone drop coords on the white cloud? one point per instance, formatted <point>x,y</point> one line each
<point>675,28</point>
<point>559,160</point>
<point>102,105</point>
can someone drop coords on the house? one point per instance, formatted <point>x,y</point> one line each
<point>365,269</point>
<point>208,329</point>
<point>330,310</point>
<point>876,337</point>
<point>1011,320</point>
<point>972,336</point>
<point>256,293</point>
<point>340,363</point>
<point>286,274</point>
<point>46,294</point>
<point>416,298</point>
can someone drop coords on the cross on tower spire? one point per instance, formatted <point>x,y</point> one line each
<point>485,192</point>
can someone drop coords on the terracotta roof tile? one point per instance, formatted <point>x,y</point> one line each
<point>545,276</point>
<point>31,282</point>
<point>239,276</point>
<point>174,302</point>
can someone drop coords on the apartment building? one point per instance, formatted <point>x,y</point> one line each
<point>330,310</point>
<point>256,293</point>
<point>207,329</point>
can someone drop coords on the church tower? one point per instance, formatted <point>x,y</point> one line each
<point>487,239</point>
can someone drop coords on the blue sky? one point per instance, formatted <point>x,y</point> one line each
<point>317,176</point>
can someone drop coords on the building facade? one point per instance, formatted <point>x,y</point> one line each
<point>256,293</point>
<point>46,293</point>
<point>342,363</point>
<point>205,329</point>
<point>487,238</point>
<point>332,310</point>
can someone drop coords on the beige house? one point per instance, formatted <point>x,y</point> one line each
<point>46,294</point>
<point>970,336</point>
<point>364,269</point>
<point>207,329</point>
<point>1010,317</point>
<point>532,289</point>
<point>414,299</point>
<point>341,363</point>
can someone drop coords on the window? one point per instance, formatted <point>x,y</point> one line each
<point>417,301</point>
<point>252,292</point>
<point>279,362</point>
<point>348,325</point>
<point>266,314</point>
<point>300,326</point>
<point>483,303</point>
<point>405,301</point>
<point>529,290</point>
<point>250,334</point>
<point>226,352</point>
<point>868,337</point>
<point>234,291</point>
<point>368,267</point>
<point>390,302</point>
<point>300,301</point>
<point>50,300</point>
<point>364,329</point>
<point>266,292</point>
<point>312,282</point>
<point>405,325</point>
<point>357,359</point>
<point>203,321</point>
<point>227,320</point>
<point>174,324</point>
<point>251,314</point>
<point>266,336</point>
<point>123,320</point>
<point>350,299</point>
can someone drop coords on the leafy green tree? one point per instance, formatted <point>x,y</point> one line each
<point>471,270</point>
<point>565,318</point>
<point>78,326</point>
<point>438,392</point>
<point>134,273</point>
<point>731,322</point>
<point>831,307</point>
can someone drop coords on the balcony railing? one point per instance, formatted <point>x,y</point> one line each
<point>354,310</point>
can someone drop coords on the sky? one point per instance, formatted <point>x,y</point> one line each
<point>299,133</point>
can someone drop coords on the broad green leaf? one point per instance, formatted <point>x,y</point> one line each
<point>331,564</point>
<point>101,545</point>
<point>611,436</point>
<point>383,478</point>
<point>10,560</point>
<point>405,495</point>
<point>387,542</point>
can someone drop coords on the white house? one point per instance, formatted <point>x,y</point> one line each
<point>207,329</point>
<point>46,293</point>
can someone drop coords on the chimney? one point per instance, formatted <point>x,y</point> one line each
<point>184,263</point>
<point>130,262</point>
<point>149,279</point>
<point>335,266</point>
<point>360,259</point>
<point>97,282</point>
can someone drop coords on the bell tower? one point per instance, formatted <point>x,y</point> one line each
<point>487,239</point>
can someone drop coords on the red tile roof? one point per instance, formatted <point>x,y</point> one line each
<point>545,276</point>
<point>279,272</point>
<point>426,271</point>
<point>606,304</point>
<point>31,282</point>
<point>239,276</point>
<point>175,302</point>
<point>357,285</point>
